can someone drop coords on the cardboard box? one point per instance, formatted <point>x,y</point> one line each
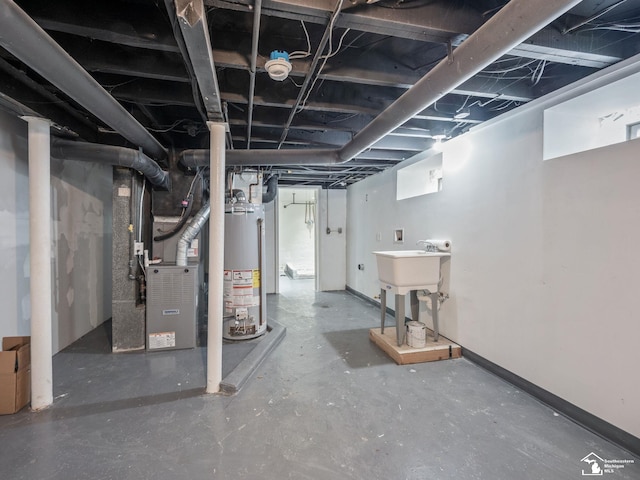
<point>15,374</point>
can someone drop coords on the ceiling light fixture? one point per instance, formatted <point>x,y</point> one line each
<point>278,67</point>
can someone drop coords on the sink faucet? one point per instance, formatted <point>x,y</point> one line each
<point>427,245</point>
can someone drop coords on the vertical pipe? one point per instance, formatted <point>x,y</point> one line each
<point>40,253</point>
<point>435,297</point>
<point>383,309</point>
<point>216,256</point>
<point>263,307</point>
<point>400,319</point>
<point>257,11</point>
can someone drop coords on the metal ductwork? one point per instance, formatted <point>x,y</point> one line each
<point>21,36</point>
<point>118,156</point>
<point>191,232</point>
<point>257,158</point>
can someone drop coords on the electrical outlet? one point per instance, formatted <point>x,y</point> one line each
<point>138,248</point>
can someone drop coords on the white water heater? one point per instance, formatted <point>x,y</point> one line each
<point>244,264</point>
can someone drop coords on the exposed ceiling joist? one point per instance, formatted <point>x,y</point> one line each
<point>192,19</point>
<point>131,48</point>
<point>431,22</point>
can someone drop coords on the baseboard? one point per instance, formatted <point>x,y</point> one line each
<point>572,412</point>
<point>370,300</point>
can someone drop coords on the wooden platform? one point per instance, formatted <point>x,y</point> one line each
<point>443,349</point>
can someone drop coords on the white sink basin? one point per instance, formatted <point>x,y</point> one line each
<point>409,269</point>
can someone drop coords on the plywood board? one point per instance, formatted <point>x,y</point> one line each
<point>443,349</point>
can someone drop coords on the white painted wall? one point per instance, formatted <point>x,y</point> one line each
<point>543,273</point>
<point>296,242</point>
<point>332,248</point>
<point>14,230</point>
<point>296,237</point>
<point>271,246</point>
<point>81,253</point>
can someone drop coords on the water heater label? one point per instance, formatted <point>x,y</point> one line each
<point>256,279</point>
<point>242,277</point>
<point>238,289</point>
<point>162,340</point>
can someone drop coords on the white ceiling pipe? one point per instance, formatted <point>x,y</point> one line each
<point>21,36</point>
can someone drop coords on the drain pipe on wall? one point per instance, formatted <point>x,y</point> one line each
<point>216,256</point>
<point>40,255</point>
<point>191,232</point>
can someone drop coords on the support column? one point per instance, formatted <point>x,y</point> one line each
<point>216,256</point>
<point>40,255</point>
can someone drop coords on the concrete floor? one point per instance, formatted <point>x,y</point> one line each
<point>326,404</point>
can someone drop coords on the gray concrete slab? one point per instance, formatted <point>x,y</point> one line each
<point>325,404</point>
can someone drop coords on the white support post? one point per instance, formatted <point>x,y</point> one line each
<point>40,254</point>
<point>216,256</point>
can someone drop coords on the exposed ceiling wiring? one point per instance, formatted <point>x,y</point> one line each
<point>325,58</point>
<point>300,54</point>
<point>592,17</point>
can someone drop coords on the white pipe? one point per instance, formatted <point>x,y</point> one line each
<point>40,253</point>
<point>216,256</point>
<point>190,233</point>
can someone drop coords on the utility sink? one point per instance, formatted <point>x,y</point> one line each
<point>405,270</point>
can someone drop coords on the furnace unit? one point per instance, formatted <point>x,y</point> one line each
<point>172,306</point>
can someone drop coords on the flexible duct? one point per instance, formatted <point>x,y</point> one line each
<point>272,189</point>
<point>21,36</point>
<point>191,232</point>
<point>119,156</point>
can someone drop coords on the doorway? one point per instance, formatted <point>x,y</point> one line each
<point>297,238</point>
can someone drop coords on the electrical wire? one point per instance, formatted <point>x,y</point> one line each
<point>339,45</point>
<point>592,17</point>
<point>324,62</point>
<point>140,209</point>
<point>185,211</point>
<point>299,54</point>
<point>535,79</point>
<point>507,70</point>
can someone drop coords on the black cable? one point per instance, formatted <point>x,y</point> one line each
<point>179,225</point>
